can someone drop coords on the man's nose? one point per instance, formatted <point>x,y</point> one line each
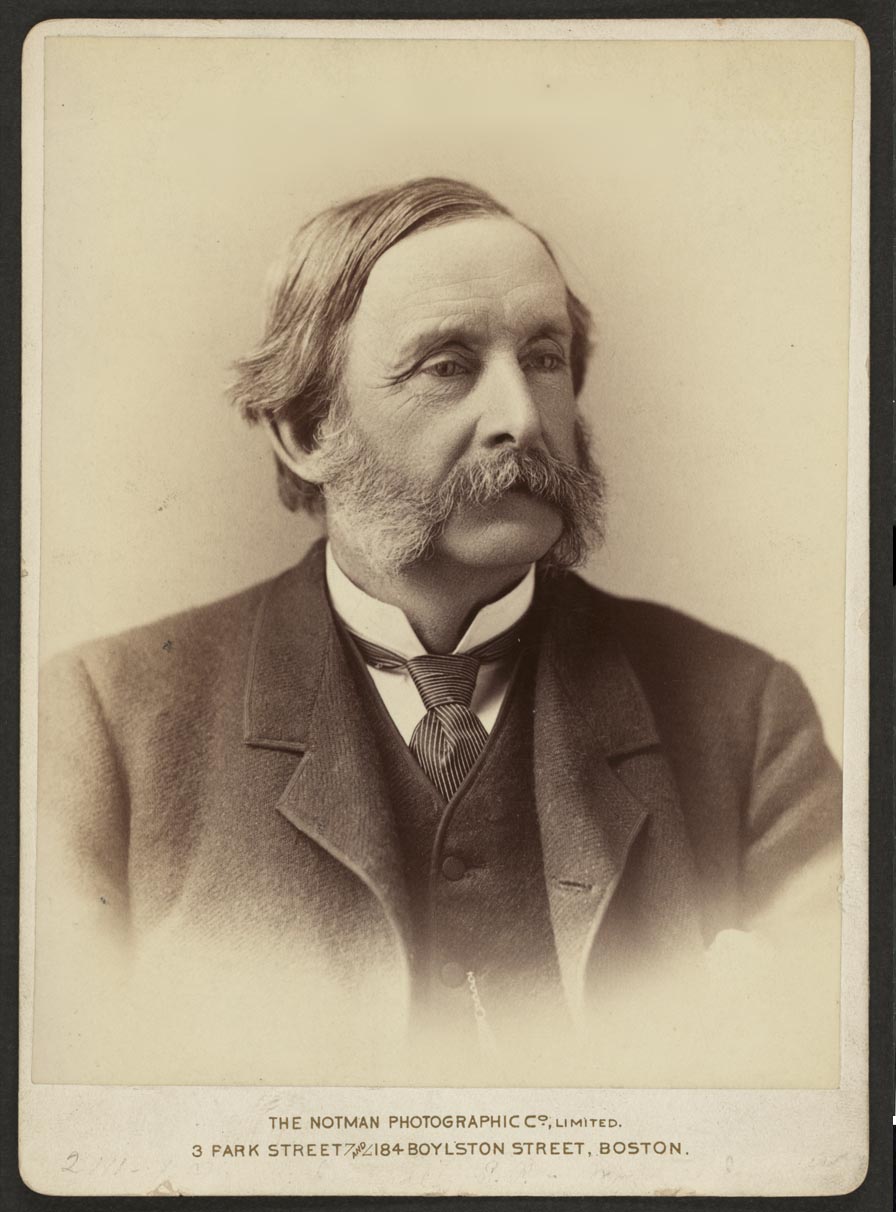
<point>510,414</point>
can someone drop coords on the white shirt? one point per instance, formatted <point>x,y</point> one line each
<point>388,626</point>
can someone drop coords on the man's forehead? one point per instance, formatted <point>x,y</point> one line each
<point>468,272</point>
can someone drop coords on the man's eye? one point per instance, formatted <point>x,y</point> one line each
<point>445,368</point>
<point>544,361</point>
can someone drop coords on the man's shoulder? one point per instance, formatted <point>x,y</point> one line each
<point>684,665</point>
<point>163,659</point>
<point>198,627</point>
<point>716,700</point>
<point>656,632</point>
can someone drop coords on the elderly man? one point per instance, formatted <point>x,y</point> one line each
<point>429,784</point>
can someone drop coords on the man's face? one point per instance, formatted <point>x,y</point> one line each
<point>459,351</point>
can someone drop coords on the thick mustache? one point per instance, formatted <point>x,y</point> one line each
<point>535,471</point>
<point>399,517</point>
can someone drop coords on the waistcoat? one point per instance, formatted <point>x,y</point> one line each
<point>482,947</point>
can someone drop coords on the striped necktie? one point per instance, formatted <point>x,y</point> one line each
<point>450,737</point>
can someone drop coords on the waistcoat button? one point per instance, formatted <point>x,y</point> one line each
<point>454,868</point>
<point>452,975</point>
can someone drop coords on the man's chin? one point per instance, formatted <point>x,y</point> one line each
<point>517,529</point>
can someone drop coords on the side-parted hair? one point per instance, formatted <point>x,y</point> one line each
<point>293,376</point>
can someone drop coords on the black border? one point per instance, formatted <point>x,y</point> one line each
<point>876,19</point>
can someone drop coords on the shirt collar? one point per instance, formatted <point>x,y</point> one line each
<point>388,626</point>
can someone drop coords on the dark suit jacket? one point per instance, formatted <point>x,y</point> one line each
<point>210,777</point>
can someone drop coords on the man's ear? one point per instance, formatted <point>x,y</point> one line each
<point>306,464</point>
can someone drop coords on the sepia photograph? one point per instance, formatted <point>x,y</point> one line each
<point>445,630</point>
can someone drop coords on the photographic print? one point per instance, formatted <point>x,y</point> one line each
<point>445,615</point>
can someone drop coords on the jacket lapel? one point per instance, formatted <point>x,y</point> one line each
<point>301,697</point>
<point>601,783</point>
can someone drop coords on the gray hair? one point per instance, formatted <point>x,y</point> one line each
<point>293,376</point>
